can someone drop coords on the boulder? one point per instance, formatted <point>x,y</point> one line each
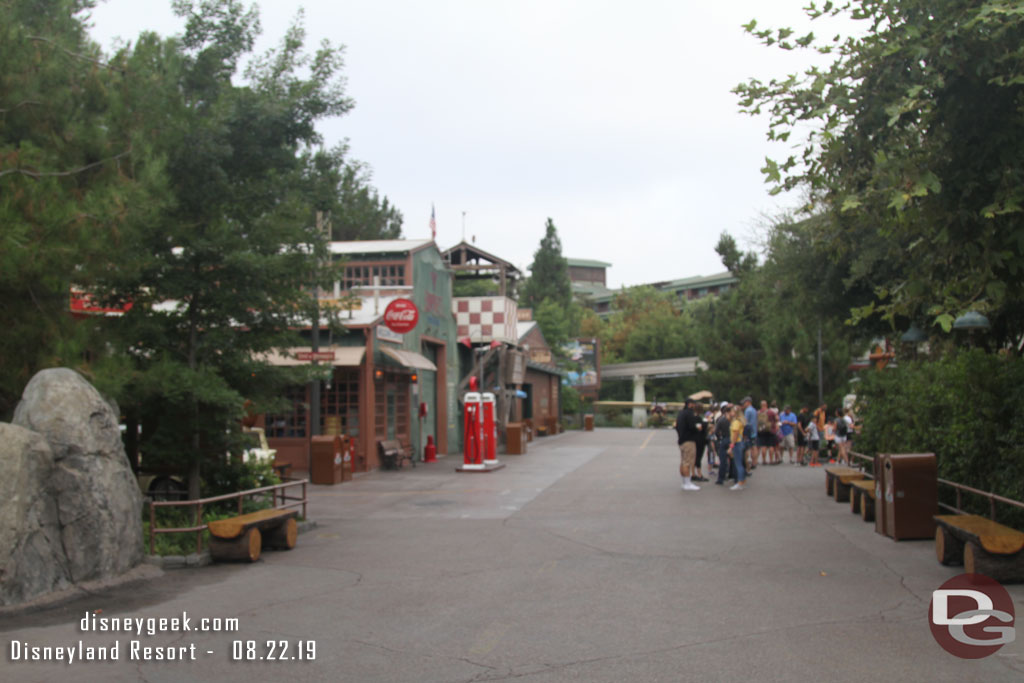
<point>99,506</point>
<point>32,560</point>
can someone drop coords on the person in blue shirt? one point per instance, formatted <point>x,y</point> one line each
<point>750,431</point>
<point>788,421</point>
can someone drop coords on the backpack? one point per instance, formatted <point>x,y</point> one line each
<point>841,426</point>
<point>762,422</point>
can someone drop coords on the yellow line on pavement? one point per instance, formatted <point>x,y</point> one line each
<point>644,444</point>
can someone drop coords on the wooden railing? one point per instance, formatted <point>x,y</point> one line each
<point>960,489</point>
<point>279,496</point>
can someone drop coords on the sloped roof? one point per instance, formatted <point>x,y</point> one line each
<point>378,246</point>
<point>587,263</point>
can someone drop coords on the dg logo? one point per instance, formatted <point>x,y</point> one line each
<point>972,616</point>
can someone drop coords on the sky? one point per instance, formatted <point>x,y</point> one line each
<point>613,119</point>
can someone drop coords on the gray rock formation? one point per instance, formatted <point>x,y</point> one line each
<point>32,560</point>
<point>97,500</point>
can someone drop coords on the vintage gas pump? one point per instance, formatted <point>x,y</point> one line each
<point>490,430</point>
<point>471,429</point>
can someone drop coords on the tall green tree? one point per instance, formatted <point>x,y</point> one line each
<point>915,150</point>
<point>549,272</point>
<point>67,181</point>
<point>222,274</point>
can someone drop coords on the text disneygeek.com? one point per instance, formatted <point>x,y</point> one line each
<point>136,649</point>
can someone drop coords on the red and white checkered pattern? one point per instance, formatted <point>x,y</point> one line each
<point>486,318</point>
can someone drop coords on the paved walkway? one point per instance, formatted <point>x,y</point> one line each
<point>581,560</point>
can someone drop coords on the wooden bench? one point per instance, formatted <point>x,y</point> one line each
<point>981,545</point>
<point>862,498</point>
<point>392,453</point>
<point>244,537</point>
<point>837,482</point>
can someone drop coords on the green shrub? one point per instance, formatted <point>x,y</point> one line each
<point>966,408</point>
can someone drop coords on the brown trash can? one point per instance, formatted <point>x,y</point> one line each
<point>879,473</point>
<point>588,423</point>
<point>326,454</point>
<point>911,495</point>
<point>515,438</point>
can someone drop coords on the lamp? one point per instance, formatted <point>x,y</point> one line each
<point>378,374</point>
<point>971,320</point>
<point>915,335</point>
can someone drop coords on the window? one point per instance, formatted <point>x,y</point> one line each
<point>390,274</point>
<point>290,424</point>
<point>340,401</point>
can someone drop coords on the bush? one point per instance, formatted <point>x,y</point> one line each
<point>965,408</point>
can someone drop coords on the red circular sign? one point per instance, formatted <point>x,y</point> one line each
<point>971,616</point>
<point>401,316</point>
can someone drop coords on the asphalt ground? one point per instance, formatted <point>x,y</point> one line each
<point>579,561</point>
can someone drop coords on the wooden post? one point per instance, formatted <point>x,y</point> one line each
<point>199,533</point>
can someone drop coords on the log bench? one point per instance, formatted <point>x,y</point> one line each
<point>838,480</point>
<point>392,453</point>
<point>981,545</point>
<point>862,498</point>
<point>243,537</point>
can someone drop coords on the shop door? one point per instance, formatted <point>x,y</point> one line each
<point>428,395</point>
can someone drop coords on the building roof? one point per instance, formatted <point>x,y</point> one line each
<point>523,328</point>
<point>378,246</point>
<point>587,263</point>
<point>699,281</point>
<point>666,367</point>
<point>470,252</point>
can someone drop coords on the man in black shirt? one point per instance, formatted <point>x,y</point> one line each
<point>687,429</point>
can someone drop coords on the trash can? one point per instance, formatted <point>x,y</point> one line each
<point>326,454</point>
<point>515,438</point>
<point>879,473</point>
<point>911,495</point>
<point>588,423</point>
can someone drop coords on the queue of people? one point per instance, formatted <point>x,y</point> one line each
<point>738,438</point>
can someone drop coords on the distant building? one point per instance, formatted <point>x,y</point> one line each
<point>590,285</point>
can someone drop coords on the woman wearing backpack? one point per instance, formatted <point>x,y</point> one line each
<point>843,427</point>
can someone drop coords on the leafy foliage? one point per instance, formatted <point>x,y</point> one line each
<point>922,185</point>
<point>965,408</point>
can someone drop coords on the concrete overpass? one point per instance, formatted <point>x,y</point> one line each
<point>641,371</point>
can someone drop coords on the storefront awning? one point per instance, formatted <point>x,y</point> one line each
<point>409,359</point>
<point>344,356</point>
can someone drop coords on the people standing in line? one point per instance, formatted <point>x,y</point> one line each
<point>738,439</point>
<point>821,417</point>
<point>765,437</point>
<point>724,442</point>
<point>749,432</point>
<point>788,424</point>
<point>773,427</point>
<point>830,441</point>
<point>687,427</point>
<point>813,442</point>
<point>702,442</point>
<point>803,419</point>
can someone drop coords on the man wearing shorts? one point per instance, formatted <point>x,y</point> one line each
<point>789,425</point>
<point>803,419</point>
<point>687,428</point>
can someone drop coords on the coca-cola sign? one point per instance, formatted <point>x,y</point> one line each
<point>401,316</point>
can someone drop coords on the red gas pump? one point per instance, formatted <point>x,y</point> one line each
<point>490,430</point>
<point>471,433</point>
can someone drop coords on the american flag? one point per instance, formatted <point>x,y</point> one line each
<point>433,224</point>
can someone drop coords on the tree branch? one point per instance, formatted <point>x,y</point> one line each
<point>19,105</point>
<point>76,54</point>
<point>58,174</point>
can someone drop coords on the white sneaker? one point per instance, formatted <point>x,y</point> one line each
<point>737,487</point>
<point>691,487</point>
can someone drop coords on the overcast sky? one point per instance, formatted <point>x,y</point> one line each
<point>614,119</point>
